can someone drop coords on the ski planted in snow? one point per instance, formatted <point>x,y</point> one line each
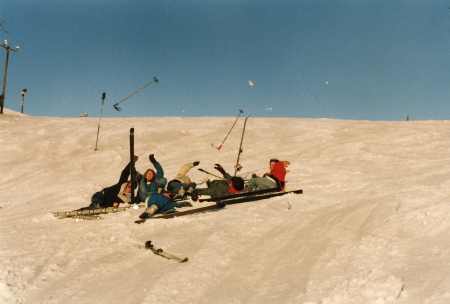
<point>256,197</point>
<point>214,207</point>
<point>132,166</point>
<point>160,252</point>
<point>238,167</point>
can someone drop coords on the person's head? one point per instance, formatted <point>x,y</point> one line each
<point>150,174</point>
<point>237,183</point>
<point>128,187</point>
<point>273,161</point>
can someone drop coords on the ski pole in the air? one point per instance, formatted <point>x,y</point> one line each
<point>155,80</point>
<point>101,111</point>
<point>204,171</point>
<point>219,147</point>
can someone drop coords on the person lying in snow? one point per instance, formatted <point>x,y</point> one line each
<point>159,203</point>
<point>222,187</point>
<point>114,195</point>
<point>151,182</point>
<point>182,186</point>
<point>276,178</point>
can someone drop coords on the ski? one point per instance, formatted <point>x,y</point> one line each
<point>132,166</point>
<point>160,252</point>
<point>85,217</point>
<point>94,211</point>
<point>253,197</point>
<point>238,167</point>
<point>241,194</point>
<point>214,207</point>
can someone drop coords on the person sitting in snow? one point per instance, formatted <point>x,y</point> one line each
<point>274,179</point>
<point>182,186</point>
<point>151,182</point>
<point>116,194</point>
<point>222,187</point>
<point>159,203</point>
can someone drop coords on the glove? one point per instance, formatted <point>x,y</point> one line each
<point>219,168</point>
<point>152,158</point>
<point>196,163</point>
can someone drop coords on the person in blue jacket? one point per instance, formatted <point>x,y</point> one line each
<point>151,182</point>
<point>161,203</point>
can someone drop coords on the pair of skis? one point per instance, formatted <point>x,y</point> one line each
<point>222,202</point>
<point>250,197</point>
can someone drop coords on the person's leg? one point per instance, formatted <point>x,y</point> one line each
<point>262,183</point>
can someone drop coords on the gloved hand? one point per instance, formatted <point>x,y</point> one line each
<point>196,163</point>
<point>219,168</point>
<point>152,158</point>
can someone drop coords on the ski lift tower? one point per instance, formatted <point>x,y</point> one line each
<point>7,48</point>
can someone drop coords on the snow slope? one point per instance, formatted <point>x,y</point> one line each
<point>373,224</point>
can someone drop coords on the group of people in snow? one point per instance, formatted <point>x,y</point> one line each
<point>152,187</point>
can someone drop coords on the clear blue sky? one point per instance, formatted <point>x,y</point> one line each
<point>363,60</point>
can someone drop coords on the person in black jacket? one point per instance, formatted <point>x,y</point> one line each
<point>114,195</point>
<point>229,185</point>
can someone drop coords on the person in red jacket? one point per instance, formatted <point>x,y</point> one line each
<point>276,178</point>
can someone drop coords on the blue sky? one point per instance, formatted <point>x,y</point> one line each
<point>362,60</point>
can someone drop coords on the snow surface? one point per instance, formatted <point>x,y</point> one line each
<point>373,224</point>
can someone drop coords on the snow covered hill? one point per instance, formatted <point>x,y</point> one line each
<point>373,224</point>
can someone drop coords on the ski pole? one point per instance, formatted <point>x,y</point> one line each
<point>210,173</point>
<point>101,111</point>
<point>155,80</point>
<point>218,148</point>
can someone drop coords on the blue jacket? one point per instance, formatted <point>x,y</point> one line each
<point>147,189</point>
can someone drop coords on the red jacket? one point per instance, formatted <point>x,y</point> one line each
<point>279,174</point>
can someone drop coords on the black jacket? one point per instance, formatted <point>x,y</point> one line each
<point>111,193</point>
